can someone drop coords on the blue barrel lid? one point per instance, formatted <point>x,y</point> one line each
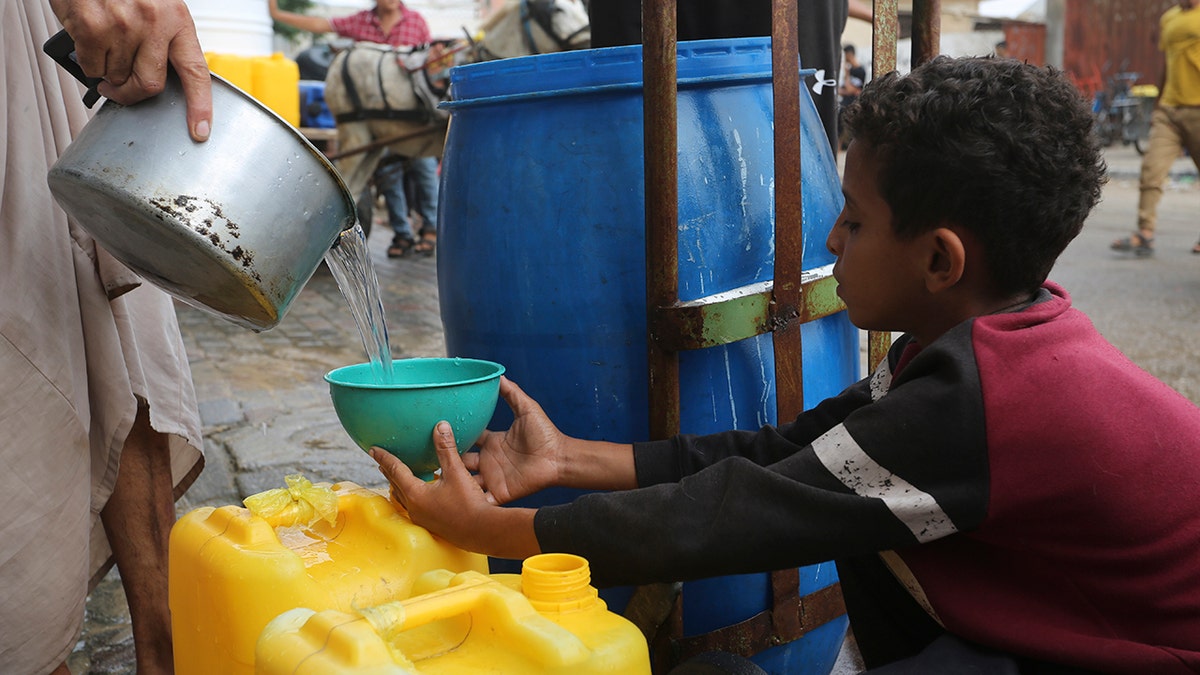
<point>698,62</point>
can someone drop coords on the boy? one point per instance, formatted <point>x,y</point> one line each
<point>1006,490</point>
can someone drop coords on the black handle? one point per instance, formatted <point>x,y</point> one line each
<point>61,48</point>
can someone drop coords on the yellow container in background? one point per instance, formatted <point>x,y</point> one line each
<point>547,620</point>
<point>235,69</point>
<point>277,85</point>
<point>231,571</point>
<point>273,80</point>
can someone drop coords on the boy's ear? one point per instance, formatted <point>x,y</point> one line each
<point>946,261</point>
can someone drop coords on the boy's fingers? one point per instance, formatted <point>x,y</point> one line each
<point>395,471</point>
<point>514,396</point>
<point>447,449</point>
<point>397,496</point>
<point>471,459</point>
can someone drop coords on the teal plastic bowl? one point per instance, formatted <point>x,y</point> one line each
<point>399,417</point>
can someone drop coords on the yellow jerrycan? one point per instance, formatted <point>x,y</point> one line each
<point>276,81</point>
<point>237,70</point>
<point>547,620</point>
<point>336,547</point>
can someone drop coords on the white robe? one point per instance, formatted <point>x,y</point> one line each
<point>82,341</point>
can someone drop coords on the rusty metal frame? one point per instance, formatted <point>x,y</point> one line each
<point>779,307</point>
<point>794,297</point>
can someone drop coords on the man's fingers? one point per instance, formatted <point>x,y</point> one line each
<point>188,61</point>
<point>131,45</point>
<point>141,78</point>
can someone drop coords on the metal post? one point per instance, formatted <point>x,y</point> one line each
<point>927,30</point>
<point>662,205</point>
<point>884,33</point>
<point>789,227</point>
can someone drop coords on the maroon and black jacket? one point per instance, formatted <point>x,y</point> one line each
<point>1018,482</point>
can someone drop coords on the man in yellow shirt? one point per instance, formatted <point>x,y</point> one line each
<point>1175,124</point>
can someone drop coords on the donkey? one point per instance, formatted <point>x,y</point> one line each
<point>386,97</point>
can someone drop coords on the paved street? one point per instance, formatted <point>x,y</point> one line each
<point>266,412</point>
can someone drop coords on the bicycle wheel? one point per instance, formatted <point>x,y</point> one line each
<point>1138,128</point>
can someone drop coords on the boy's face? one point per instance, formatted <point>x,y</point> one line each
<point>880,276</point>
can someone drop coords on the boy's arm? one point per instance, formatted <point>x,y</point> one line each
<point>597,465</point>
<point>909,468</point>
<point>672,459</point>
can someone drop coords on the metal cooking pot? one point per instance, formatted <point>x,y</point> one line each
<point>235,225</point>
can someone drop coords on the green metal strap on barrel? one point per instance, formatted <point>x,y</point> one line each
<point>743,313</point>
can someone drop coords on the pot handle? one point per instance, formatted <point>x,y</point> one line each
<point>61,48</point>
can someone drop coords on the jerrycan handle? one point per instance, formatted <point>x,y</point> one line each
<point>401,615</point>
<point>551,583</point>
<point>551,642</point>
<point>61,48</point>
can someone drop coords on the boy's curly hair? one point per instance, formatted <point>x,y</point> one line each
<point>1002,148</point>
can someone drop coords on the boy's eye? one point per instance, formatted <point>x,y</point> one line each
<point>851,225</point>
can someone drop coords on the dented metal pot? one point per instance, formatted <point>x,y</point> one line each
<point>235,225</point>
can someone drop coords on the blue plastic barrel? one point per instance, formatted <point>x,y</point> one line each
<point>542,265</point>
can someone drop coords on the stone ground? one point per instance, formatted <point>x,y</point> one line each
<point>266,413</point>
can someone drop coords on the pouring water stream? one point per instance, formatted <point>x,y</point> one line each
<point>350,262</point>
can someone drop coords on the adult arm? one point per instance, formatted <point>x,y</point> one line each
<point>313,24</point>
<point>129,44</point>
<point>861,10</point>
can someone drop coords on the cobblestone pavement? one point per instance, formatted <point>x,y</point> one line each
<point>266,412</point>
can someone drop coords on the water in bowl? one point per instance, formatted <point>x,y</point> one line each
<point>350,262</point>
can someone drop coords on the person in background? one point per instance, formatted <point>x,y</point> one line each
<point>1174,124</point>
<point>819,32</point>
<point>390,22</point>
<point>99,431</point>
<point>854,76</point>
<point>1006,492</point>
<point>1001,49</point>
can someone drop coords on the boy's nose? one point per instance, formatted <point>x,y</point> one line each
<point>833,241</point>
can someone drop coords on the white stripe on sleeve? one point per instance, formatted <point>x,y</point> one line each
<point>918,510</point>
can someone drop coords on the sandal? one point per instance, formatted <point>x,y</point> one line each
<point>1139,244</point>
<point>1196,249</point>
<point>399,248</point>
<point>427,245</point>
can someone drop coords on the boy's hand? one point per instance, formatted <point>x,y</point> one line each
<point>453,506</point>
<point>522,460</point>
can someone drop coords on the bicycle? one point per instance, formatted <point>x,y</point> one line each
<point>1122,114</point>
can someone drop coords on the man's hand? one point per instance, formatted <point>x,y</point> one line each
<point>129,44</point>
